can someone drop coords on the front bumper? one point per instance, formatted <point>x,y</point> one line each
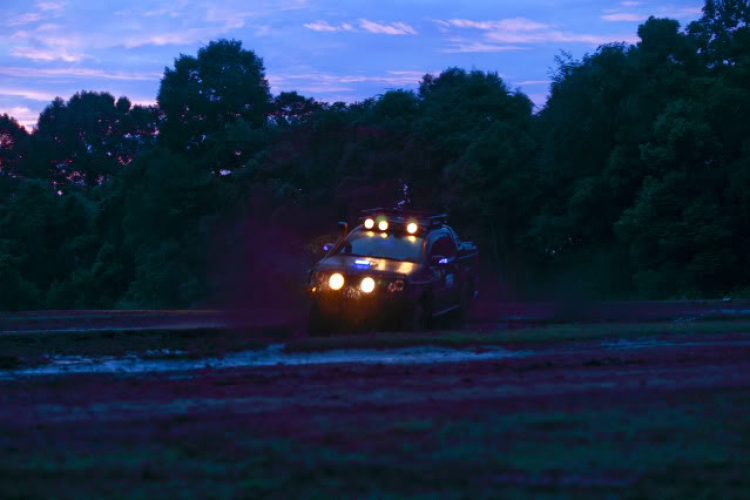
<point>352,306</point>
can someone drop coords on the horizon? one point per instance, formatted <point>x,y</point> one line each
<point>54,49</point>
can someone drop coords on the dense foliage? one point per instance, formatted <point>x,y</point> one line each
<point>633,180</point>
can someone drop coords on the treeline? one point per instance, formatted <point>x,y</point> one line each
<point>632,182</point>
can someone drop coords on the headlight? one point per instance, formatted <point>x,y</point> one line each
<point>336,281</point>
<point>411,228</point>
<point>369,223</point>
<point>383,225</point>
<point>367,285</point>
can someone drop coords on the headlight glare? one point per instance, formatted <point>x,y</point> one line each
<point>336,281</point>
<point>367,285</point>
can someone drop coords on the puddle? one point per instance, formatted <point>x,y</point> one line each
<point>647,343</point>
<point>636,344</point>
<point>273,355</point>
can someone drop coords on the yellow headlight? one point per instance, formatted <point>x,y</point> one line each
<point>411,228</point>
<point>336,281</point>
<point>367,285</point>
<point>383,225</point>
<point>369,223</point>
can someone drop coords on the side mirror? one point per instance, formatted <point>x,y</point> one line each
<point>328,247</point>
<point>438,260</point>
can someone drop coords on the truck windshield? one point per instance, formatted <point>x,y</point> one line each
<point>383,245</point>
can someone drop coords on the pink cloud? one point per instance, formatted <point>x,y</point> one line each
<point>23,115</point>
<point>23,19</point>
<point>395,28</point>
<point>514,24</point>
<point>507,34</point>
<point>625,16</point>
<point>558,36</point>
<point>325,27</point>
<point>50,5</point>
<point>464,47</point>
<point>27,94</point>
<point>19,72</point>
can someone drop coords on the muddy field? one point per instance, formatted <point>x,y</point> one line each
<point>606,410</point>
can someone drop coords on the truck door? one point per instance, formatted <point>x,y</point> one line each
<point>446,281</point>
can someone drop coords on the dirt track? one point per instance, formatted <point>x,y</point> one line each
<point>485,314</point>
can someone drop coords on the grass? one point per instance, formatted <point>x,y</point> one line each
<point>691,446</point>
<point>550,333</point>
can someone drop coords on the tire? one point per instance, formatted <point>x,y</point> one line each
<point>318,323</point>
<point>466,299</point>
<point>419,319</point>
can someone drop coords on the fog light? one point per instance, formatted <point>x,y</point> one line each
<point>383,225</point>
<point>367,285</point>
<point>369,223</point>
<point>336,281</point>
<point>411,228</point>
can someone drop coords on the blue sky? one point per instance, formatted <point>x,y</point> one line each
<point>333,50</point>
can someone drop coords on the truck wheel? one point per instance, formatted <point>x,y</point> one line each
<point>318,323</point>
<point>420,317</point>
<point>467,297</point>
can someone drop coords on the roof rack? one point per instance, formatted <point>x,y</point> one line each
<point>401,215</point>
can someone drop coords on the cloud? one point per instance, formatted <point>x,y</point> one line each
<point>31,95</point>
<point>325,27</point>
<point>325,83</point>
<point>46,43</point>
<point>23,19</point>
<point>144,102</point>
<point>182,37</point>
<point>171,12</point>
<point>324,89</point>
<point>685,12</point>
<point>32,17</point>
<point>560,37</point>
<point>464,47</point>
<point>669,12</point>
<point>220,22</point>
<point>539,100</point>
<point>50,5</point>
<point>47,54</point>
<point>23,115</point>
<point>625,16</point>
<point>19,72</point>
<point>510,33</point>
<point>514,24</point>
<point>534,82</point>
<point>395,28</point>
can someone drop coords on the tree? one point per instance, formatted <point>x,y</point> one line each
<point>203,96</point>
<point>14,144</point>
<point>290,109</point>
<point>86,140</point>
<point>723,32</point>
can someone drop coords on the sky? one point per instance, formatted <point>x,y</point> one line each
<point>332,50</point>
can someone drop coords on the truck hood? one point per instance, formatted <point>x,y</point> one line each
<point>348,264</point>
